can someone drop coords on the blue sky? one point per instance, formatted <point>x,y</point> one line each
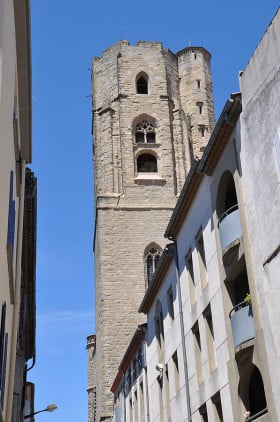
<point>65,37</point>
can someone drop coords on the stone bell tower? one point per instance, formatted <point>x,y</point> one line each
<point>152,113</point>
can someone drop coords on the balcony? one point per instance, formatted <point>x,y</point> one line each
<point>242,323</point>
<point>230,229</point>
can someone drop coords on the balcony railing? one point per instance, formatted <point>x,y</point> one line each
<point>257,415</point>
<point>242,323</point>
<point>229,227</point>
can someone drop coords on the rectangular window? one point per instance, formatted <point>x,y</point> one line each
<point>176,371</point>
<point>160,398</point>
<point>190,275</point>
<point>170,302</point>
<point>130,409</point>
<point>135,406</point>
<point>203,413</point>
<point>167,393</point>
<point>201,259</point>
<point>141,402</point>
<point>217,405</point>
<point>197,352</point>
<point>3,354</point>
<point>207,314</point>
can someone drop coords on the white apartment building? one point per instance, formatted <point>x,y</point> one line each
<point>212,336</point>
<point>17,210</point>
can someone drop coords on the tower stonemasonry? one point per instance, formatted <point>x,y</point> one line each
<point>148,114</point>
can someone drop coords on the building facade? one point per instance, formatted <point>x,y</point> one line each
<point>152,115</point>
<point>17,210</point>
<point>212,306</point>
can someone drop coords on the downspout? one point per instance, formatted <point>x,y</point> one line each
<point>146,382</point>
<point>16,309</point>
<point>186,374</point>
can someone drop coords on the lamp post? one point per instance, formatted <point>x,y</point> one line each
<point>49,408</point>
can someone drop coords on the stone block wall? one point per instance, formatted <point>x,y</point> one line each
<point>134,207</point>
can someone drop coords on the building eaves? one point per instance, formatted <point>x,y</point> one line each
<point>129,354</point>
<point>23,51</point>
<point>158,277</point>
<point>218,140</point>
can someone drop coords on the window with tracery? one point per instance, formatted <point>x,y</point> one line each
<point>145,132</point>
<point>152,260</point>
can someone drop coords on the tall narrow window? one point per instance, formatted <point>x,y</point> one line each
<point>11,218</point>
<point>159,324</point>
<point>197,352</point>
<point>203,413</point>
<point>190,275</point>
<point>167,393</point>
<point>199,105</point>
<point>217,407</point>
<point>3,354</point>
<point>176,371</point>
<point>207,314</point>
<point>142,84</point>
<point>201,259</point>
<point>170,302</point>
<point>141,402</point>
<point>152,260</point>
<point>202,130</point>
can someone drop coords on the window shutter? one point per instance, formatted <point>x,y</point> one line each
<point>11,217</point>
<point>3,353</point>
<point>3,375</point>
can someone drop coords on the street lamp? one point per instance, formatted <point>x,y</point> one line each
<point>49,408</point>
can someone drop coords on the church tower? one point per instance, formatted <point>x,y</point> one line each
<point>152,114</point>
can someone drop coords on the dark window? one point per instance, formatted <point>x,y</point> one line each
<point>11,217</point>
<point>146,163</point>
<point>257,398</point>
<point>170,302</point>
<point>142,85</point>
<point>152,260</point>
<point>159,323</point>
<point>200,106</point>
<point>3,354</point>
<point>216,400</point>
<point>203,413</point>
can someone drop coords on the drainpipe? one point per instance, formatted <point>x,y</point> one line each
<point>146,382</point>
<point>175,256</point>
<point>9,396</point>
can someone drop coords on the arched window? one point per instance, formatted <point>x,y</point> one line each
<point>152,260</point>
<point>146,163</point>
<point>142,84</point>
<point>145,132</point>
<point>226,199</point>
<point>251,389</point>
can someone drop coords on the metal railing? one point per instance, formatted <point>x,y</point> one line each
<point>240,306</point>
<point>227,212</point>
<point>256,415</point>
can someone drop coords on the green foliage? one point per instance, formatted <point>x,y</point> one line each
<point>247,299</point>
